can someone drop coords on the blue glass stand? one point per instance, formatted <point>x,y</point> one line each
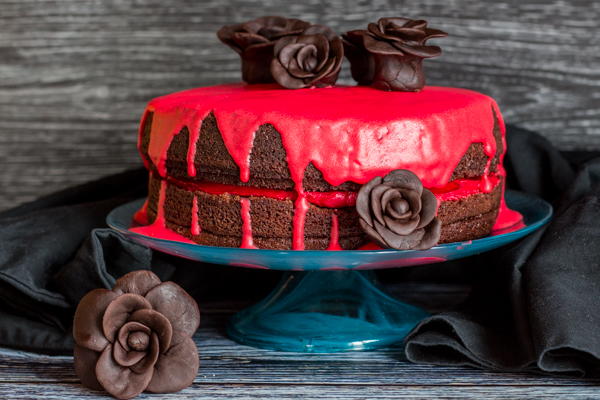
<point>325,311</point>
<point>333,304</point>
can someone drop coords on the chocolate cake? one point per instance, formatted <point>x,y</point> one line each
<point>257,165</point>
<point>261,166</point>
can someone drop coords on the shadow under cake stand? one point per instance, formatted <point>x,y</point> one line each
<point>329,301</point>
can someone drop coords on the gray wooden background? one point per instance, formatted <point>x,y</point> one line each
<point>75,74</point>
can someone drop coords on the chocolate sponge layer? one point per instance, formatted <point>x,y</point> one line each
<point>272,220</point>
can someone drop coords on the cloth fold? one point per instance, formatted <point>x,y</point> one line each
<point>534,304</point>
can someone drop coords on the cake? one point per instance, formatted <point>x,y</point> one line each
<point>257,165</point>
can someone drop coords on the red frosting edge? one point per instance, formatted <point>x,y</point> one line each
<point>348,133</point>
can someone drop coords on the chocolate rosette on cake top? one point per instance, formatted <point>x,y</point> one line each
<point>313,58</point>
<point>397,212</point>
<point>254,41</point>
<point>389,54</point>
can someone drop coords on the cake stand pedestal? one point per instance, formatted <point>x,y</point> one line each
<point>325,311</point>
<point>329,301</point>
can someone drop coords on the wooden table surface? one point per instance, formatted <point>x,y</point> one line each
<point>233,371</point>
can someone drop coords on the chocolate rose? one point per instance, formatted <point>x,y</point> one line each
<point>136,337</point>
<point>389,55</point>
<point>254,41</point>
<point>313,58</point>
<point>397,212</point>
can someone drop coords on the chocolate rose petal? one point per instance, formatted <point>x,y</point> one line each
<point>390,194</point>
<point>398,208</point>
<point>321,45</point>
<point>372,233</point>
<point>180,308</point>
<point>283,42</point>
<point>118,312</point>
<point>434,33</point>
<point>401,226</point>
<point>127,329</point>
<point>302,71</point>
<point>137,282</point>
<point>408,33</point>
<point>419,51</point>
<point>243,40</point>
<point>428,208</point>
<point>225,34</point>
<point>405,179</point>
<point>176,369</point>
<point>363,199</point>
<point>282,76</point>
<point>85,366</point>
<point>87,323</point>
<point>375,201</point>
<point>379,46</point>
<point>432,235</point>
<point>152,355</point>
<point>400,242</point>
<point>414,200</point>
<point>121,382</point>
<point>158,323</point>
<point>288,53</point>
<point>126,358</point>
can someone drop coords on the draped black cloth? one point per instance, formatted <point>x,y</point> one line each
<point>535,304</point>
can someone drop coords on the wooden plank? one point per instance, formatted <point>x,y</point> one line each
<point>223,361</point>
<point>75,75</point>
<point>317,392</point>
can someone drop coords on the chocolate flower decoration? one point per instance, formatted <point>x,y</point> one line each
<point>254,41</point>
<point>136,337</point>
<point>397,212</point>
<point>389,54</point>
<point>313,58</point>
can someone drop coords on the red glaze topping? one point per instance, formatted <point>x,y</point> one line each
<point>348,133</point>
<point>247,241</point>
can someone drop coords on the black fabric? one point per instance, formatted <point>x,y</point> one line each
<point>534,304</point>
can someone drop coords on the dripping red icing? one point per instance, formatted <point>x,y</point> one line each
<point>300,210</point>
<point>195,227</point>
<point>347,133</point>
<point>334,240</point>
<point>141,215</point>
<point>247,240</point>
<point>158,228</point>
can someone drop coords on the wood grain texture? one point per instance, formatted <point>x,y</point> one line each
<point>75,74</point>
<point>229,370</point>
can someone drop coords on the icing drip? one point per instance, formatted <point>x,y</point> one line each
<point>141,215</point>
<point>195,224</point>
<point>159,228</point>
<point>194,136</point>
<point>334,241</point>
<point>347,133</point>
<point>247,241</point>
<point>508,220</point>
<point>300,210</point>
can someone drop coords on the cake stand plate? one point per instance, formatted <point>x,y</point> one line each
<point>328,300</point>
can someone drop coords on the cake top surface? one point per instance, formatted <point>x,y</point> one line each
<point>360,103</point>
<point>348,133</point>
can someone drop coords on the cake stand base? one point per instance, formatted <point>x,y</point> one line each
<point>324,312</point>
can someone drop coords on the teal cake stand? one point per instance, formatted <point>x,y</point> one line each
<point>329,301</point>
